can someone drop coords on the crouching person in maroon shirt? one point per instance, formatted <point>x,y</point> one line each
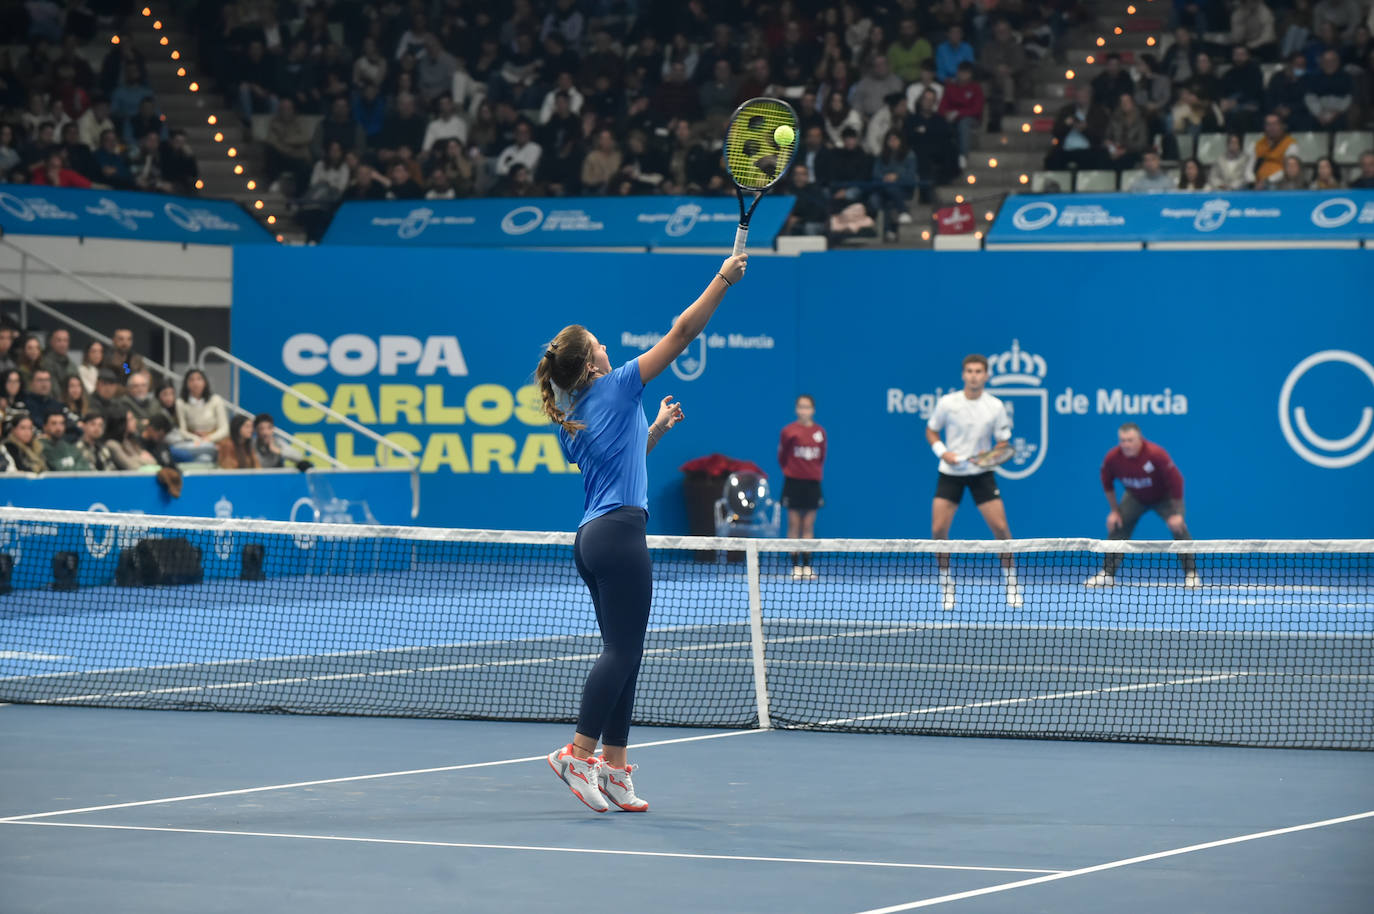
<point>1152,483</point>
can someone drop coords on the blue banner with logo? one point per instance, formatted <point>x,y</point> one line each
<point>261,494</point>
<point>36,210</point>
<point>1338,215</point>
<point>1266,405</point>
<point>653,222</point>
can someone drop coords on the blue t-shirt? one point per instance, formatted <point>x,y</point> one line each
<point>611,450</point>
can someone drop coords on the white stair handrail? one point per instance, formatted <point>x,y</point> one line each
<point>169,329</point>
<point>162,369</point>
<point>73,322</point>
<point>239,364</point>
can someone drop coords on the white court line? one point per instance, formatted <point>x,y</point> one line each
<point>1129,861</point>
<point>444,668</point>
<point>1053,696</point>
<point>355,777</point>
<point>558,850</point>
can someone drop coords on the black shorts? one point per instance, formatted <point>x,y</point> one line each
<point>983,487</point>
<point>801,494</point>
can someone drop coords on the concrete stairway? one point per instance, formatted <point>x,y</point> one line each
<point>190,111</point>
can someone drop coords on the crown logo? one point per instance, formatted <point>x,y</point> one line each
<point>1016,366</point>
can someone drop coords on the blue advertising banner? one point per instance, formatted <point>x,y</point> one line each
<point>653,222</point>
<point>1268,407</point>
<point>261,494</point>
<point>35,210</point>
<point>1339,215</point>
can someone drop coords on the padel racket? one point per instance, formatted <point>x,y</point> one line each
<point>994,456</point>
<point>754,157</point>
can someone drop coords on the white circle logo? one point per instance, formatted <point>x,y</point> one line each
<point>1026,222</point>
<point>1299,439</point>
<point>181,216</point>
<point>99,548</point>
<point>1345,211</point>
<point>304,540</point>
<point>522,220</point>
<point>683,220</point>
<point>17,207</point>
<point>415,222</point>
<point>1211,215</point>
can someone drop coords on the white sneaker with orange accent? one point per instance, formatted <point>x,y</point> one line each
<point>583,776</point>
<point>619,789</point>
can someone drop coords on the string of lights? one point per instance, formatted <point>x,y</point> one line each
<point>1070,74</point>
<point>230,151</point>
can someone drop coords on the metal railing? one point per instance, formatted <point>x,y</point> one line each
<point>237,364</point>
<point>29,300</point>
<point>169,329</point>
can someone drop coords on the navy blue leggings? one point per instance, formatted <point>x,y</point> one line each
<point>613,559</point>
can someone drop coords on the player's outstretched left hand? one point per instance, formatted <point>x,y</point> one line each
<point>669,413</point>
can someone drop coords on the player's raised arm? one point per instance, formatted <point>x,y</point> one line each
<point>691,322</point>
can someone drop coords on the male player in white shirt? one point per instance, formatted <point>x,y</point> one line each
<point>972,420</point>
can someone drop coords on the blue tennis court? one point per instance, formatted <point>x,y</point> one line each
<point>122,810</point>
<point>803,743</point>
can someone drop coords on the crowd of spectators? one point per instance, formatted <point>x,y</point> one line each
<point>104,409</point>
<point>1270,67</point>
<point>74,113</point>
<point>439,99</point>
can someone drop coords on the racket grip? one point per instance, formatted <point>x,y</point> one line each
<point>741,236</point>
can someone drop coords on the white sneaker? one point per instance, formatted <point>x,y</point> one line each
<point>1192,580</point>
<point>904,218</point>
<point>619,789</point>
<point>797,572</point>
<point>947,591</point>
<point>808,571</point>
<point>1101,579</point>
<point>583,777</point>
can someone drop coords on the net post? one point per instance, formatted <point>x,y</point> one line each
<point>751,566</point>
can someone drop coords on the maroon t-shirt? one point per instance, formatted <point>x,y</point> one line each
<point>1150,476</point>
<point>801,451</point>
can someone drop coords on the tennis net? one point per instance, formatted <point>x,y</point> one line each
<point>1271,645</point>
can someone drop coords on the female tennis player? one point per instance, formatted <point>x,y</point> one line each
<point>801,454</point>
<point>602,429</point>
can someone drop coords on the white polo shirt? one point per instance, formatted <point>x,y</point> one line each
<point>970,427</point>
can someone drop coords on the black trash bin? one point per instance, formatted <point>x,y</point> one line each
<point>702,491</point>
<point>703,482</point>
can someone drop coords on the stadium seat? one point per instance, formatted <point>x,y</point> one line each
<point>1210,147</point>
<point>1269,69</point>
<point>1128,177</point>
<point>261,123</point>
<point>1185,147</point>
<point>1063,178</point>
<point>1350,145</point>
<point>1312,145</point>
<point>1098,182</point>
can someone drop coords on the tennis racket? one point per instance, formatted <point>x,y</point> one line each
<point>754,158</point>
<point>994,456</point>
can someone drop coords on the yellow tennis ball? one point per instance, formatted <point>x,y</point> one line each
<point>784,135</point>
